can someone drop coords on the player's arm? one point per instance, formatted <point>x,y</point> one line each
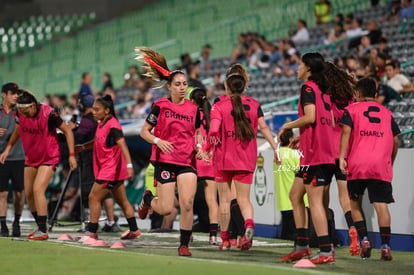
<point>125,152</point>
<point>13,139</point>
<point>307,119</point>
<point>215,125</point>
<point>395,132</point>
<point>345,134</point>
<point>269,137</point>
<point>71,144</point>
<point>394,150</point>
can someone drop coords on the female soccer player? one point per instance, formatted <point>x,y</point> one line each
<point>318,161</point>
<point>111,165</point>
<point>341,88</point>
<point>205,171</point>
<point>233,133</point>
<point>36,125</point>
<point>177,142</point>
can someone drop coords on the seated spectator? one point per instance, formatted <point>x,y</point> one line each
<point>254,55</point>
<point>380,62</point>
<point>322,10</point>
<point>397,81</point>
<point>406,11</point>
<point>271,53</point>
<point>335,34</point>
<point>290,64</point>
<point>185,62</point>
<point>365,47</point>
<point>107,82</point>
<point>385,93</point>
<point>382,46</point>
<point>339,62</point>
<point>301,34</point>
<point>374,32</point>
<point>239,54</point>
<point>205,63</point>
<point>392,11</point>
<point>289,46</point>
<point>85,88</point>
<point>354,28</point>
<point>193,74</point>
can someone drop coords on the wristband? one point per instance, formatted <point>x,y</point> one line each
<point>155,141</point>
<point>199,145</point>
<point>71,154</point>
<point>129,165</point>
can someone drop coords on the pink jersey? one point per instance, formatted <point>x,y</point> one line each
<point>176,123</point>
<point>317,139</point>
<point>371,141</point>
<point>108,161</point>
<point>204,169</point>
<point>230,153</point>
<point>40,144</point>
<point>338,109</point>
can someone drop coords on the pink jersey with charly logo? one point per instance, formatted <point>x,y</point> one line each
<point>40,144</point>
<point>317,139</point>
<point>176,124</point>
<point>230,153</point>
<point>371,141</point>
<point>204,169</point>
<point>108,161</point>
<point>338,109</point>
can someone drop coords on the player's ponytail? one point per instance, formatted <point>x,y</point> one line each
<point>236,83</point>
<point>155,65</point>
<point>107,102</point>
<point>200,98</point>
<point>341,84</point>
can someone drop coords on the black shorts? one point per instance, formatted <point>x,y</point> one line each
<point>53,166</point>
<point>378,190</point>
<point>14,171</point>
<point>318,175</point>
<point>166,172</point>
<point>108,184</point>
<point>338,172</point>
<point>203,179</point>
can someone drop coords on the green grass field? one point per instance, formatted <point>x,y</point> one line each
<point>157,254</point>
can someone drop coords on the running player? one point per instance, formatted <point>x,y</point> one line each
<point>233,134</point>
<point>318,161</point>
<point>112,166</point>
<point>205,171</point>
<point>177,142</point>
<point>370,138</point>
<point>36,125</point>
<point>13,168</point>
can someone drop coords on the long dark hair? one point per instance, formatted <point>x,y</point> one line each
<point>156,65</point>
<point>237,83</point>
<point>316,64</point>
<point>107,102</point>
<point>341,84</point>
<point>26,97</point>
<point>200,98</point>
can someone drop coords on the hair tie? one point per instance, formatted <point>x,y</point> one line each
<point>163,71</point>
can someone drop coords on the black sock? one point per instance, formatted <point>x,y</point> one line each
<point>185,236</point>
<point>331,240</point>
<point>385,235</point>
<point>17,218</point>
<point>232,230</point>
<point>361,229</point>
<point>3,221</point>
<point>148,198</point>
<point>302,239</point>
<point>132,222</point>
<point>348,218</point>
<point>42,223</point>
<point>213,229</point>
<point>93,227</point>
<point>324,244</point>
<point>35,217</point>
<point>237,217</point>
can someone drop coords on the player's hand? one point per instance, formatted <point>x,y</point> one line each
<point>3,156</point>
<point>294,144</point>
<point>207,157</point>
<point>73,163</point>
<point>165,146</point>
<point>131,173</point>
<point>71,125</point>
<point>343,165</point>
<point>2,131</point>
<point>200,153</point>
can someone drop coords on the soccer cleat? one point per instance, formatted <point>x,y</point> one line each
<point>111,228</point>
<point>213,240</point>
<point>4,232</point>
<point>225,245</point>
<point>386,253</point>
<point>233,242</point>
<point>91,235</point>
<point>142,207</point>
<point>184,251</point>
<point>323,259</point>
<point>246,241</point>
<point>16,230</point>
<point>354,247</point>
<point>39,236</point>
<point>129,235</point>
<point>365,248</point>
<point>33,233</point>
<point>296,255</point>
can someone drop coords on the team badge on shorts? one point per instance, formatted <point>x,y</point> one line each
<point>165,175</point>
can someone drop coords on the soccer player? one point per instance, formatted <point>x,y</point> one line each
<point>318,161</point>
<point>36,125</point>
<point>233,134</point>
<point>177,142</point>
<point>205,171</point>
<point>370,139</point>
<point>341,88</point>
<point>112,166</point>
<point>13,168</point>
